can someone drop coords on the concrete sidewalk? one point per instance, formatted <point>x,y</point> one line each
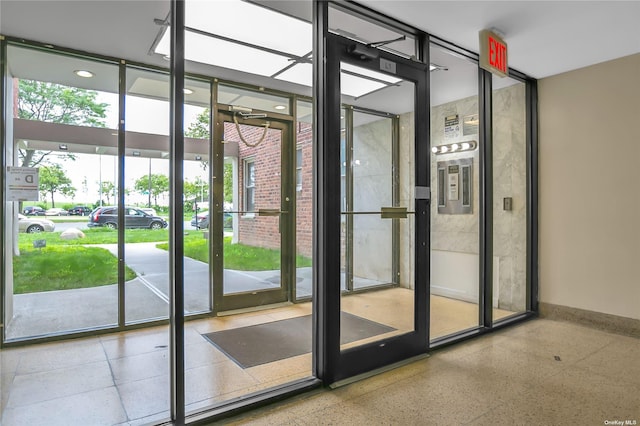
<point>146,297</point>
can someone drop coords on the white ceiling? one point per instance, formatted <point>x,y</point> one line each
<point>544,38</point>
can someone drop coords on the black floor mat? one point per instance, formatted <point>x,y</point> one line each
<point>273,341</point>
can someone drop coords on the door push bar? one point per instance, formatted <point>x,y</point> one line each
<point>387,212</point>
<point>261,212</point>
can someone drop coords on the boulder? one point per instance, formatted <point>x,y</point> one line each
<point>72,234</point>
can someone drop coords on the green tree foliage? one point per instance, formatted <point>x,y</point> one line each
<point>159,185</point>
<point>54,180</point>
<point>228,182</point>
<point>197,190</point>
<point>55,103</point>
<point>107,190</point>
<point>200,129</point>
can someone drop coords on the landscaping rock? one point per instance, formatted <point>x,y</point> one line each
<point>72,234</point>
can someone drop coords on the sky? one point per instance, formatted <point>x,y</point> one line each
<point>142,115</point>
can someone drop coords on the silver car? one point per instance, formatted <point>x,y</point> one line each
<point>34,224</point>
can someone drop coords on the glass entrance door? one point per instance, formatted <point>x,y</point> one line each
<point>252,220</point>
<point>377,308</point>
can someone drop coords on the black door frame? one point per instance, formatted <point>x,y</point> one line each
<point>336,365</point>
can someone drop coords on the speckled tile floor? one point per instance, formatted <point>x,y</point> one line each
<point>508,377</point>
<point>541,372</point>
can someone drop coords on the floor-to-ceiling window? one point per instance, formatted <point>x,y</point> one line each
<point>509,195</point>
<point>455,183</point>
<point>64,138</point>
<point>248,185</point>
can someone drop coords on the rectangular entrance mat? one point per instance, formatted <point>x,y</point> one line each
<point>273,341</point>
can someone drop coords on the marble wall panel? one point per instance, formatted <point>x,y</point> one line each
<point>372,189</point>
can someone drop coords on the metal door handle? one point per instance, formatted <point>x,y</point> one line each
<point>385,212</point>
<point>260,212</point>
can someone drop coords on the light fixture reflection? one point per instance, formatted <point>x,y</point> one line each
<point>83,73</point>
<point>455,147</point>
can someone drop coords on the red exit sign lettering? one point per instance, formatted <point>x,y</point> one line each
<point>493,53</point>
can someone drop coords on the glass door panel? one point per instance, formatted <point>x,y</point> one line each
<point>255,263</point>
<point>372,189</point>
<point>379,299</point>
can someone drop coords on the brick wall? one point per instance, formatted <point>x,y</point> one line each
<point>263,231</point>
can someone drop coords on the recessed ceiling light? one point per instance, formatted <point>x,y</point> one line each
<point>187,91</point>
<point>83,73</point>
<point>280,107</point>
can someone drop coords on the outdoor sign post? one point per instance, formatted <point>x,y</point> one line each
<point>22,183</point>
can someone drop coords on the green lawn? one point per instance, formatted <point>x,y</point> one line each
<point>236,256</point>
<point>67,264</point>
<point>99,236</point>
<point>63,268</point>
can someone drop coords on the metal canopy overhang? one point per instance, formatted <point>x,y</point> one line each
<point>97,140</point>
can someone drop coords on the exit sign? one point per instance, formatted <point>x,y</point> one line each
<point>493,53</point>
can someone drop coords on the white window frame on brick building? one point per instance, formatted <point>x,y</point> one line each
<point>298,168</point>
<point>249,187</point>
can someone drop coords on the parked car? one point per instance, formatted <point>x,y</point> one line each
<point>33,211</point>
<point>33,225</point>
<point>80,211</point>
<point>56,212</point>
<point>107,216</point>
<point>202,221</point>
<point>149,210</point>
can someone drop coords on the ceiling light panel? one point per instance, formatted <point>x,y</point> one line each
<point>357,86</point>
<point>299,73</point>
<point>250,23</point>
<point>368,73</point>
<point>251,99</point>
<point>212,51</point>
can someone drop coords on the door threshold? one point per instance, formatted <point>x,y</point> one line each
<point>253,309</point>
<point>377,371</point>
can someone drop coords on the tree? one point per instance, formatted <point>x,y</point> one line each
<point>159,185</point>
<point>200,129</point>
<point>55,103</point>
<point>106,190</point>
<point>197,190</point>
<point>228,183</point>
<point>54,180</point>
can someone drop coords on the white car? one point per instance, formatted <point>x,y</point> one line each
<point>56,212</point>
<point>34,224</point>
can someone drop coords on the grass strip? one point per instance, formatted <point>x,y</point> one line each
<point>63,268</point>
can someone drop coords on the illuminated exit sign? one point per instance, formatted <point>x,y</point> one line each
<point>493,53</point>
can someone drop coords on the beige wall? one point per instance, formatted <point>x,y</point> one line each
<point>589,133</point>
